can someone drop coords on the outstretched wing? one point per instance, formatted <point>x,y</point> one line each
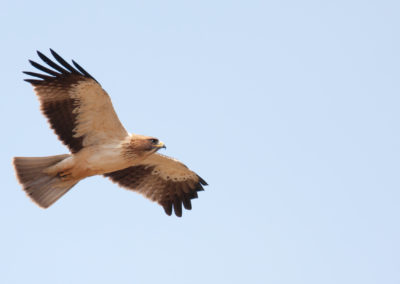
<point>162,179</point>
<point>77,108</point>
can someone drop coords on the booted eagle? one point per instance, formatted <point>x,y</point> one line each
<point>81,113</point>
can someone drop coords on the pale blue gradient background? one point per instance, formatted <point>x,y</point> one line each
<point>288,109</point>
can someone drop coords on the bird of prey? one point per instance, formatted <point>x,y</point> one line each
<point>81,113</point>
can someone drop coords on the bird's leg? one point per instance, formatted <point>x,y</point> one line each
<point>62,170</point>
<point>64,175</point>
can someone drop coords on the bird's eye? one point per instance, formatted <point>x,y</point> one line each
<point>154,141</point>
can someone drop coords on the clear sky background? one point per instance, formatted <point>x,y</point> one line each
<point>288,109</point>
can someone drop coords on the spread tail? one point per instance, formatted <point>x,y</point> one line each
<point>44,189</point>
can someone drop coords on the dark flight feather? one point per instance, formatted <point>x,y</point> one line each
<point>169,194</point>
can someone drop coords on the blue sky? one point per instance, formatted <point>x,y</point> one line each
<point>288,109</point>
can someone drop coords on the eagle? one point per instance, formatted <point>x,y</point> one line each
<point>82,116</point>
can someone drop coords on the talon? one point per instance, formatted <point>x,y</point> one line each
<point>63,175</point>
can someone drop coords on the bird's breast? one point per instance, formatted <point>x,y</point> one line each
<point>100,160</point>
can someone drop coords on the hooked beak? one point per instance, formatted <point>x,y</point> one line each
<point>160,145</point>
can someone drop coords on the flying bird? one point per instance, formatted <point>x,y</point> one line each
<point>81,114</point>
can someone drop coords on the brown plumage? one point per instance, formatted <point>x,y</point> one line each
<point>154,179</point>
<point>81,113</point>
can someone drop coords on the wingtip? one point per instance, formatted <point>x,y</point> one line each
<point>33,81</point>
<point>178,214</point>
<point>55,54</point>
<point>83,71</point>
<point>168,212</point>
<point>168,208</point>
<point>202,181</point>
<point>187,204</point>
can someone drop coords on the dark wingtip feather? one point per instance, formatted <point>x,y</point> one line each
<point>83,71</point>
<point>51,63</point>
<point>33,81</point>
<point>202,181</point>
<point>42,68</point>
<point>199,187</point>
<point>63,62</point>
<point>168,208</point>
<point>178,208</point>
<point>187,204</point>
<point>193,195</point>
<point>41,76</point>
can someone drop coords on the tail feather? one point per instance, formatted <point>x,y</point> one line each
<point>42,188</point>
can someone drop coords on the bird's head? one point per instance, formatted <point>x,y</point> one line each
<point>144,145</point>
